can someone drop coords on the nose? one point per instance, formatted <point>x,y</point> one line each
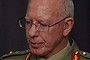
<point>32,32</point>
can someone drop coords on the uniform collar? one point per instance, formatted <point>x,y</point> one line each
<point>61,55</point>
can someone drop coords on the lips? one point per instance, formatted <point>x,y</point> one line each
<point>36,44</point>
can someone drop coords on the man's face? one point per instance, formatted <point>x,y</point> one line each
<point>44,42</point>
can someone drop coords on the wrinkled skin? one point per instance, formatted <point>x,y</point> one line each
<point>47,43</point>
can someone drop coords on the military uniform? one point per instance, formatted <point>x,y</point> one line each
<point>70,52</point>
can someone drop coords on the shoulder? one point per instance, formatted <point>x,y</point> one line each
<point>80,55</point>
<point>84,55</point>
<point>18,55</point>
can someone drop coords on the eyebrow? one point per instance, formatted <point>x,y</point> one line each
<point>44,21</point>
<point>27,18</point>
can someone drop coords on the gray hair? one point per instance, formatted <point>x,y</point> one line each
<point>68,8</point>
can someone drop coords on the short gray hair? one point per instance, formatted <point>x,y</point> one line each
<point>68,8</point>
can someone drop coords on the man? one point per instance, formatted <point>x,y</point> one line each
<point>47,24</point>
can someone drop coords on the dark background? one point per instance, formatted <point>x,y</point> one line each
<point>12,38</point>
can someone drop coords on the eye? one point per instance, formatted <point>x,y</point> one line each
<point>43,24</point>
<point>29,23</point>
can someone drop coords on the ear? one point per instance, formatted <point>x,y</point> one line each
<point>68,26</point>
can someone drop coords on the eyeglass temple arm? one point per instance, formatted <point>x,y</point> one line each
<point>58,22</point>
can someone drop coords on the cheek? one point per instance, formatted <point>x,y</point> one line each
<point>51,38</point>
<point>54,36</point>
<point>27,33</point>
<point>27,36</point>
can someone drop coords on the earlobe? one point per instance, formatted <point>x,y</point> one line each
<point>68,26</point>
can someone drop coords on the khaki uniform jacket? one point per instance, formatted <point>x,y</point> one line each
<point>70,52</point>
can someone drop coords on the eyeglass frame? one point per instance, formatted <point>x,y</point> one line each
<point>46,25</point>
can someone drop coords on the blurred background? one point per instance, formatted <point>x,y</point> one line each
<point>12,37</point>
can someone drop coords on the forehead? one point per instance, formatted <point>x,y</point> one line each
<point>43,9</point>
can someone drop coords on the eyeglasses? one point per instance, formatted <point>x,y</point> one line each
<point>40,27</point>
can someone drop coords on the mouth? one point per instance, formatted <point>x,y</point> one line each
<point>36,44</point>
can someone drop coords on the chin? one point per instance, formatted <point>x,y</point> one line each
<point>39,52</point>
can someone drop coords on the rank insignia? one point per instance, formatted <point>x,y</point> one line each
<point>28,56</point>
<point>75,55</point>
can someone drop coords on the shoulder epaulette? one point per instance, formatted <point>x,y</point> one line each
<point>85,54</point>
<point>17,53</point>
